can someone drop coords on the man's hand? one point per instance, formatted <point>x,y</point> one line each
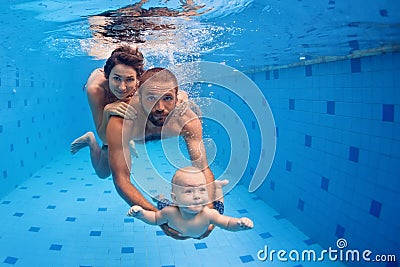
<point>172,232</point>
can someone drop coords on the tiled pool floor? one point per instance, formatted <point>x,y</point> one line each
<point>66,216</point>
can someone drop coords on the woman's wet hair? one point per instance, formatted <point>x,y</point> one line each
<point>125,55</point>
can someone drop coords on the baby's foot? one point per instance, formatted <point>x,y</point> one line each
<point>81,142</point>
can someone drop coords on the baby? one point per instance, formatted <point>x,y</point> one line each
<point>189,214</point>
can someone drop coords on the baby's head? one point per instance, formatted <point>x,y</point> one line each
<point>189,189</point>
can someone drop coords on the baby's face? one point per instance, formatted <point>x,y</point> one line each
<point>190,192</point>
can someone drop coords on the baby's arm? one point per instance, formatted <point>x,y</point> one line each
<point>147,216</point>
<point>229,223</point>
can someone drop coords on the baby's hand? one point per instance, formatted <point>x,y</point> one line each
<point>135,211</point>
<point>245,223</point>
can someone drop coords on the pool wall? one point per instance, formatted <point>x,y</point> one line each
<point>336,170</point>
<point>42,109</point>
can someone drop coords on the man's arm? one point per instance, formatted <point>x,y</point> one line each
<point>120,164</point>
<point>193,135</point>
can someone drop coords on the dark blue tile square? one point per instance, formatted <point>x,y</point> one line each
<point>388,112</point>
<point>168,266</point>
<point>265,235</point>
<point>70,219</point>
<point>51,207</point>
<point>160,233</point>
<point>272,185</point>
<point>354,45</point>
<point>308,70</point>
<point>324,183</point>
<point>6,202</point>
<point>267,75</point>
<point>354,153</point>
<point>80,199</point>
<point>307,140</point>
<point>330,107</point>
<point>339,231</point>
<point>55,247</point>
<point>291,104</point>
<point>102,209</point>
<point>355,64</point>
<point>375,208</point>
<point>242,211</point>
<point>288,166</point>
<point>18,214</point>
<point>246,258</point>
<point>129,220</point>
<point>95,233</point>
<point>126,250</point>
<point>279,217</point>
<point>34,229</point>
<point>300,205</point>
<point>107,191</point>
<point>63,191</point>
<point>383,12</point>
<point>36,197</point>
<point>309,242</point>
<point>276,74</point>
<point>200,245</point>
<point>10,260</point>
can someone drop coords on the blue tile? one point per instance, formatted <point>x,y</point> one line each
<point>70,219</point>
<point>34,229</point>
<point>168,266</point>
<point>55,247</point>
<point>242,211</point>
<point>308,70</point>
<point>200,245</point>
<point>95,233</point>
<point>63,191</point>
<point>354,45</point>
<point>160,233</point>
<point>324,183</point>
<point>129,220</point>
<point>126,250</point>
<point>339,231</point>
<point>102,209</point>
<point>267,75</point>
<point>51,207</point>
<point>383,12</point>
<point>10,260</point>
<point>300,205</point>
<point>279,217</point>
<point>291,104</point>
<point>307,140</point>
<point>355,64</point>
<point>309,242</point>
<point>354,153</point>
<point>375,208</point>
<point>265,235</point>
<point>330,107</point>
<point>276,74</point>
<point>36,197</point>
<point>80,199</point>
<point>272,185</point>
<point>6,202</point>
<point>5,174</point>
<point>107,191</point>
<point>18,214</point>
<point>246,258</point>
<point>288,166</point>
<point>388,112</point>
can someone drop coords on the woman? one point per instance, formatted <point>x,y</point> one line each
<point>109,91</point>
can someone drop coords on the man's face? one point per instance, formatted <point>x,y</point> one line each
<point>158,99</point>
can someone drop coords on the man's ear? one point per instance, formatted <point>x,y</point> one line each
<point>173,197</point>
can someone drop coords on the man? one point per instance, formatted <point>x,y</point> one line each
<point>156,118</point>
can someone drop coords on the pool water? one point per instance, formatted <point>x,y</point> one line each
<point>329,71</point>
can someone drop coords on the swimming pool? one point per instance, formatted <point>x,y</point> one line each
<point>330,81</point>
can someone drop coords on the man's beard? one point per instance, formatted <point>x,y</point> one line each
<point>156,121</point>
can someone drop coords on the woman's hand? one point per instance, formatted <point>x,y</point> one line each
<point>120,109</point>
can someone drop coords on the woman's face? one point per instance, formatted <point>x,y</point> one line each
<point>123,81</point>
